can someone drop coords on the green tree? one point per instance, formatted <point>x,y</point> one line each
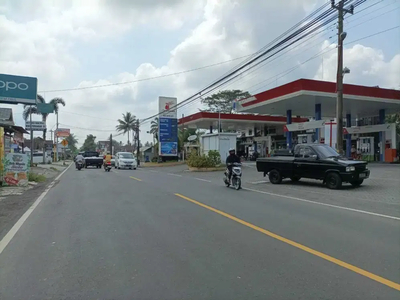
<point>223,100</point>
<point>127,124</point>
<point>89,144</point>
<point>183,135</point>
<point>394,118</point>
<point>154,128</point>
<point>33,110</point>
<point>72,141</point>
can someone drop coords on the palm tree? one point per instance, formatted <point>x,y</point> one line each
<point>127,124</point>
<point>33,110</point>
<point>154,128</point>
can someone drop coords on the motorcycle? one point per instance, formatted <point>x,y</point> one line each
<point>236,178</point>
<point>107,166</point>
<point>79,165</point>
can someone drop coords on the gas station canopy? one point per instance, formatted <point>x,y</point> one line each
<point>302,95</point>
<point>205,120</point>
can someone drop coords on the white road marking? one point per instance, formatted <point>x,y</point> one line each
<point>258,182</point>
<point>153,171</point>
<point>201,179</point>
<point>325,204</point>
<point>177,175</point>
<point>115,171</point>
<point>8,237</point>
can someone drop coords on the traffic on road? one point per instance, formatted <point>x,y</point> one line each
<point>174,234</point>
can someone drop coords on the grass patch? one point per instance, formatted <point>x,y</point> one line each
<point>37,177</point>
<point>54,169</point>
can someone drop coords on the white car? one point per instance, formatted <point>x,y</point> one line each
<point>125,160</point>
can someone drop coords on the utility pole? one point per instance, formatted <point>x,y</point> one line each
<point>339,76</point>
<point>56,135</point>
<point>138,142</point>
<point>111,151</point>
<point>32,143</point>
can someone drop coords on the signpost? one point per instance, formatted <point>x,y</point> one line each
<point>168,126</point>
<point>62,132</point>
<point>35,125</point>
<point>18,89</point>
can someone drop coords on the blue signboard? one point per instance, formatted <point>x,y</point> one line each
<point>18,89</point>
<point>168,130</point>
<point>168,135</point>
<point>169,148</point>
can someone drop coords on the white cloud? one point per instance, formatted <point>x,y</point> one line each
<point>368,66</point>
<point>37,41</point>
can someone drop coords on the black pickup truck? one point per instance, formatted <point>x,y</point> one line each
<point>92,158</point>
<point>316,161</point>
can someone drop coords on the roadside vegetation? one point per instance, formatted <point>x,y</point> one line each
<point>37,177</point>
<point>211,160</point>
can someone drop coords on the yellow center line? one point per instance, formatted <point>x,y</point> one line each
<point>336,261</point>
<point>135,178</point>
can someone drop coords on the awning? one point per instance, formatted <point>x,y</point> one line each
<point>13,128</point>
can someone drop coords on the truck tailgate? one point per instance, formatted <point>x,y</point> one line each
<point>279,162</point>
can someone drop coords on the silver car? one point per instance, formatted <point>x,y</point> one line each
<point>125,160</point>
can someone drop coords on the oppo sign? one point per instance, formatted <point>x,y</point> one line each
<point>13,85</point>
<point>18,89</point>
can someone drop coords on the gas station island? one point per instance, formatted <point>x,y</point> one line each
<point>303,111</point>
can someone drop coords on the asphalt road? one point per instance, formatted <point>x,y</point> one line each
<point>159,234</point>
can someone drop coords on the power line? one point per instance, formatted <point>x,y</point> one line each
<point>307,29</point>
<point>145,79</point>
<point>322,52</point>
<point>91,129</point>
<point>101,118</point>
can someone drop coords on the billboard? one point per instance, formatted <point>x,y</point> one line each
<point>18,89</point>
<point>35,125</point>
<point>167,126</point>
<point>62,132</point>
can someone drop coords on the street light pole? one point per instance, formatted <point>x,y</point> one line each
<point>32,143</point>
<point>339,76</point>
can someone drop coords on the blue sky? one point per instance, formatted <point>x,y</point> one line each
<point>76,44</point>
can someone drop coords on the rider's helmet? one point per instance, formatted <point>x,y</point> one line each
<point>232,151</point>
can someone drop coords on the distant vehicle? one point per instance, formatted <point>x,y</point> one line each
<point>92,158</point>
<point>125,160</point>
<point>316,161</point>
<point>113,160</point>
<point>38,158</point>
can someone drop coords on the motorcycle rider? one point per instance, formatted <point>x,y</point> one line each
<point>232,158</point>
<point>79,157</point>
<point>107,159</point>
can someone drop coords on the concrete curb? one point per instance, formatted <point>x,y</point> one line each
<point>160,165</point>
<point>192,169</point>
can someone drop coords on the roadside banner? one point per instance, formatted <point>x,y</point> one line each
<point>16,169</point>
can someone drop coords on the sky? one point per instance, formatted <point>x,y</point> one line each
<point>73,47</point>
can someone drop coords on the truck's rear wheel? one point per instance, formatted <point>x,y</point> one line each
<point>275,177</point>
<point>333,181</point>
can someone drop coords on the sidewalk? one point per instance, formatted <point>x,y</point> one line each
<point>14,201</point>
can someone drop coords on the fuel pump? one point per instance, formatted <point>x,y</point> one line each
<point>366,146</point>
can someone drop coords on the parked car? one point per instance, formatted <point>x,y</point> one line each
<point>125,160</point>
<point>38,158</point>
<point>316,161</point>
